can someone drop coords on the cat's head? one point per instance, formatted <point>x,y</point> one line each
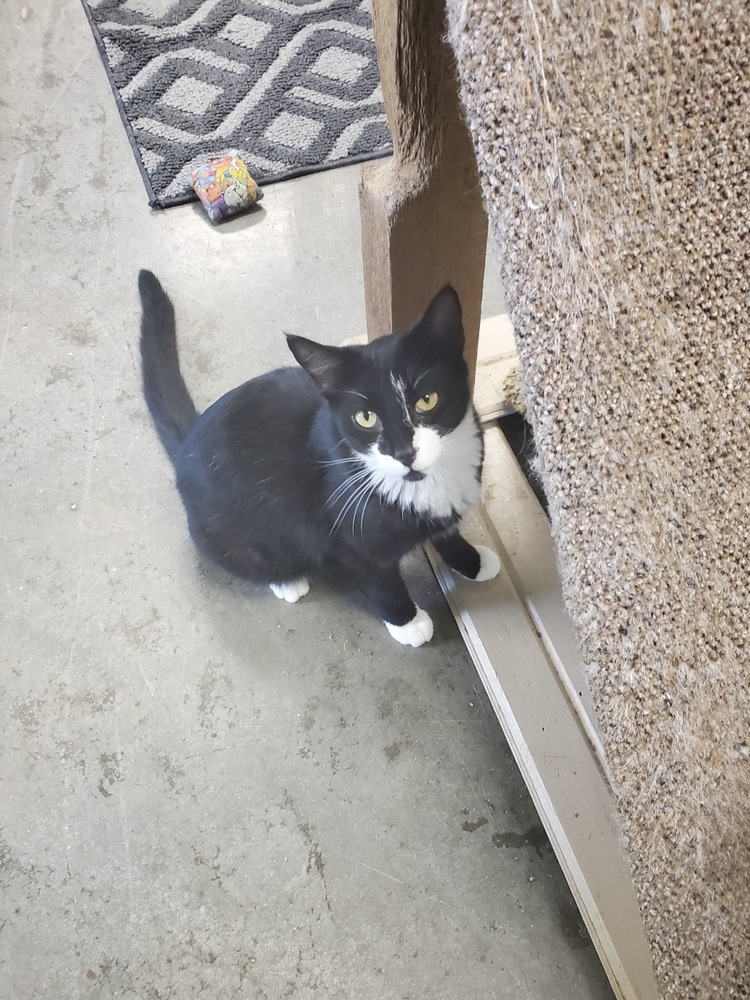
<point>397,399</point>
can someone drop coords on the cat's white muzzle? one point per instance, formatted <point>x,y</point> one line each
<point>427,446</point>
<point>386,465</point>
<point>449,465</point>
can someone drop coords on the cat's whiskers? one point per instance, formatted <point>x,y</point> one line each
<point>360,490</point>
<point>341,489</point>
<point>368,498</point>
<point>363,496</point>
<point>341,461</point>
<point>355,483</point>
<point>349,458</point>
<point>353,500</point>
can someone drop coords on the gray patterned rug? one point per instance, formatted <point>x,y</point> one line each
<point>291,84</point>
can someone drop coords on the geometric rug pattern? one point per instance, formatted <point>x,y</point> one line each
<point>292,85</point>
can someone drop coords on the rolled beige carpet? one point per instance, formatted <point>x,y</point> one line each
<point>613,141</point>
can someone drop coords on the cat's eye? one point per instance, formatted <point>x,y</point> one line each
<point>426,403</point>
<point>366,419</point>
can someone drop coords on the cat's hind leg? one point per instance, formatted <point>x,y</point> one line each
<point>292,590</point>
<point>249,561</point>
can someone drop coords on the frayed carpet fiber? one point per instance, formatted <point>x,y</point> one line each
<point>613,142</point>
<point>292,86</point>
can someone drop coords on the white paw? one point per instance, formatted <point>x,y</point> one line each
<point>489,564</point>
<point>415,633</point>
<point>292,591</point>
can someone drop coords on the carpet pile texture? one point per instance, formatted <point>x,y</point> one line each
<point>613,142</point>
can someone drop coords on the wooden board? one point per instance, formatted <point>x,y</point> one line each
<point>520,639</point>
<point>422,216</point>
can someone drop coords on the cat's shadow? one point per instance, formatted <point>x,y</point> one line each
<point>216,579</point>
<point>225,598</point>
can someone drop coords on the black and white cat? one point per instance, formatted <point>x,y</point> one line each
<point>344,464</point>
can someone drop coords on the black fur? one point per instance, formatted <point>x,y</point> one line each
<point>167,396</point>
<point>258,470</point>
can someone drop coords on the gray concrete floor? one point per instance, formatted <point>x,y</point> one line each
<point>206,791</point>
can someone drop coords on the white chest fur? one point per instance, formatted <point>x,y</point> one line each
<point>449,463</point>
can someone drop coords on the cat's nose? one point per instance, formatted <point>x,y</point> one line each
<point>405,455</point>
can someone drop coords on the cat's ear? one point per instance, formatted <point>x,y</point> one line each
<point>325,365</point>
<point>443,319</point>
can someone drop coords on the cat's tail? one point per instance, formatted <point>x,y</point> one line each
<point>168,399</point>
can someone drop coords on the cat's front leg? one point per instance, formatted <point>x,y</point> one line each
<point>475,562</point>
<point>415,632</point>
<point>386,591</point>
<point>408,624</point>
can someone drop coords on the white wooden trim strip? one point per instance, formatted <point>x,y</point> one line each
<point>496,358</point>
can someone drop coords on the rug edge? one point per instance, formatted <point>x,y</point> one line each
<point>187,197</point>
<point>104,60</point>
